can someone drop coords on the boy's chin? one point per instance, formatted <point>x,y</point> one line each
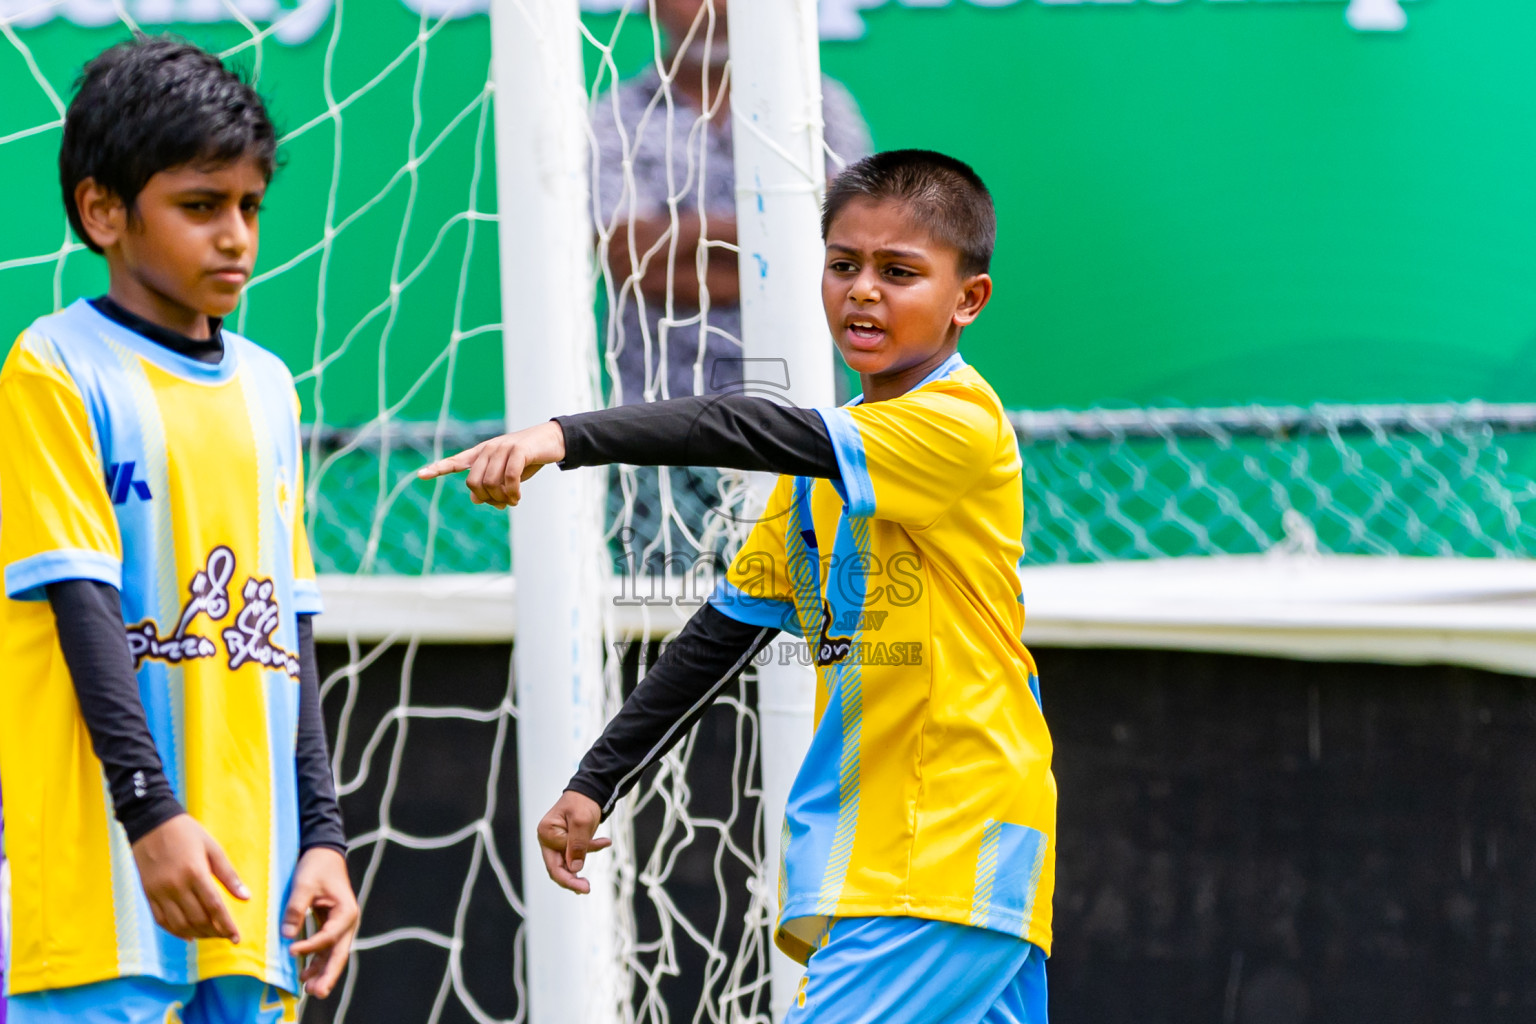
<point>862,362</point>
<point>218,307</point>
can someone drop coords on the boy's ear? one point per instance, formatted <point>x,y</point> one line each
<point>975,293</point>
<point>102,213</point>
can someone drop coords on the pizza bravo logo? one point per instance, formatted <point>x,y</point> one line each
<point>298,21</point>
<point>247,640</point>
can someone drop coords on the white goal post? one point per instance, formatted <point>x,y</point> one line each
<point>780,178</point>
<point>549,352</point>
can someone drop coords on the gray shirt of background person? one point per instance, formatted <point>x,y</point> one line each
<point>846,135</point>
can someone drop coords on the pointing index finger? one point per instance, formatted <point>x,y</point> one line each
<point>453,464</point>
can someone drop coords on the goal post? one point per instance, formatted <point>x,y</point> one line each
<point>549,339</point>
<point>780,176</point>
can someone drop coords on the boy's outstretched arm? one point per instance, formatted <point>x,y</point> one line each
<point>711,650</point>
<point>177,859</point>
<point>729,431</point>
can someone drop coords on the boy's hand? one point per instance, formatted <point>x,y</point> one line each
<point>321,884</point>
<point>178,861</point>
<point>565,836</point>
<point>498,467</point>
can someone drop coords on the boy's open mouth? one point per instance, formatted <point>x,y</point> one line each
<point>863,332</point>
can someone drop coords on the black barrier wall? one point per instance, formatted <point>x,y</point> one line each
<point>1262,841</point>
<point>1242,840</point>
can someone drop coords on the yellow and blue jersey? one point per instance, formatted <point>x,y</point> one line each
<point>927,790</point>
<point>180,483</point>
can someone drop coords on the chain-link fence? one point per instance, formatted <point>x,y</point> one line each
<point>369,514</point>
<point>1438,480</point>
<point>1434,480</point>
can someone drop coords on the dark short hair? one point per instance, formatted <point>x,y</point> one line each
<point>943,194</point>
<point>154,103</point>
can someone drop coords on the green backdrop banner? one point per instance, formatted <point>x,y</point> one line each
<point>1200,202</point>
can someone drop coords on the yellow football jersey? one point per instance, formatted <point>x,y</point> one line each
<point>180,483</point>
<point>927,791</point>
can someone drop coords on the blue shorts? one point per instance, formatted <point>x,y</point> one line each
<point>229,1000</point>
<point>905,970</point>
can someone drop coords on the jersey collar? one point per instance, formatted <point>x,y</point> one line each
<point>944,369</point>
<point>175,363</point>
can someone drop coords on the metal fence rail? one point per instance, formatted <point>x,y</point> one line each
<point>1449,479</point>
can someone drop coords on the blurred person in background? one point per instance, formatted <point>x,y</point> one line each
<point>652,355</point>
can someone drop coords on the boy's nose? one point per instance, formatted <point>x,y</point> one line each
<point>865,289</point>
<point>235,238</point>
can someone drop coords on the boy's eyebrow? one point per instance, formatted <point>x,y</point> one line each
<point>904,254</point>
<point>209,192</point>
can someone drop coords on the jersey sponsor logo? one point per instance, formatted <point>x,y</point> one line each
<point>121,484</point>
<point>831,649</point>
<point>862,652</point>
<point>248,639</point>
<point>208,595</point>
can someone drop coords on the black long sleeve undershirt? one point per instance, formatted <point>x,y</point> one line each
<point>731,432</point>
<point>89,615</point>
<point>711,650</point>
<point>319,815</point>
<point>727,431</point>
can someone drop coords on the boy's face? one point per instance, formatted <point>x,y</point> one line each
<point>894,295</point>
<point>187,251</point>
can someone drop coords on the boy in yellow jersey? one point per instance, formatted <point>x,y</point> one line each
<point>918,856</point>
<point>170,814</point>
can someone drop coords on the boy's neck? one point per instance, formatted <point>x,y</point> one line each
<point>159,310</point>
<point>885,386</point>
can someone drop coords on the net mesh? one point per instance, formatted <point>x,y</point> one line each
<point>1423,480</point>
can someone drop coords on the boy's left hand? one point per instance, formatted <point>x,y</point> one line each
<point>321,884</point>
<point>498,467</point>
